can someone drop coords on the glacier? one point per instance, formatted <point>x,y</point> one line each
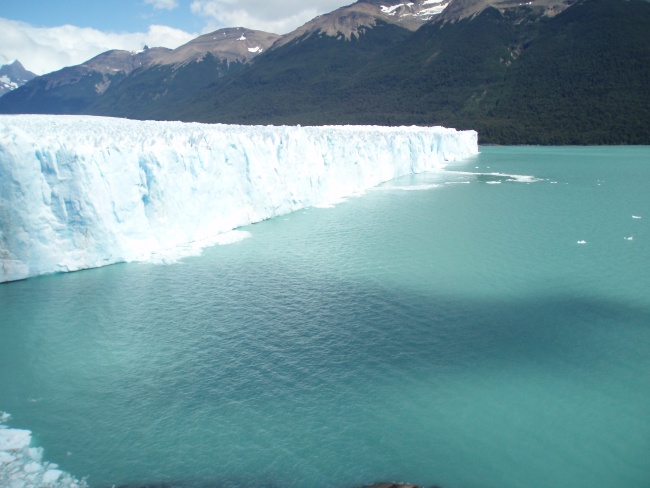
<point>80,192</point>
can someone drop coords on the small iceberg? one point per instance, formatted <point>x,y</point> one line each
<point>631,238</point>
<point>23,466</point>
<point>582,242</point>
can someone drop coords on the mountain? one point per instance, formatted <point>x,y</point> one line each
<point>115,81</point>
<point>71,90</point>
<point>299,77</point>
<point>583,79</point>
<point>161,89</point>
<point>353,20</point>
<point>12,76</point>
<point>535,72</point>
<point>410,14</point>
<point>462,9</point>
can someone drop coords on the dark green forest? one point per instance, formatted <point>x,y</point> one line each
<point>516,76</point>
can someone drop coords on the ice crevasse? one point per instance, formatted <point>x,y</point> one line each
<point>79,192</point>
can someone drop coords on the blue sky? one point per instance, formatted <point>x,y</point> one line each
<point>107,15</point>
<point>46,35</point>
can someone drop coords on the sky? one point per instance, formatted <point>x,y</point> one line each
<point>47,35</point>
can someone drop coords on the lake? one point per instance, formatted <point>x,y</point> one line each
<point>487,326</point>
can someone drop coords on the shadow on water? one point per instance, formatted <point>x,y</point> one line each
<point>290,322</point>
<point>198,484</point>
<point>231,484</point>
<point>236,337</point>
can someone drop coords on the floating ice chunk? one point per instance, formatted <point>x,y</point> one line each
<point>493,182</point>
<point>331,204</point>
<point>13,439</point>
<point>522,178</point>
<point>232,237</point>
<point>6,458</point>
<point>582,242</point>
<point>636,216</point>
<point>51,476</point>
<point>175,254</point>
<point>21,466</point>
<point>500,176</point>
<point>31,467</point>
<point>422,187</point>
<point>631,238</point>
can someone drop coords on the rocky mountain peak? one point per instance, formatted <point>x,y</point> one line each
<point>230,44</point>
<point>410,14</point>
<point>13,75</point>
<point>349,21</point>
<point>460,9</point>
<point>116,60</point>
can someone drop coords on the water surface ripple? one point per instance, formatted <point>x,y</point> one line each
<point>456,335</point>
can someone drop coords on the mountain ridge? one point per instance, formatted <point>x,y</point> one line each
<point>518,72</point>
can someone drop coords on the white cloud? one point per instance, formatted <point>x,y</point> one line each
<point>279,17</point>
<point>163,4</point>
<point>46,49</point>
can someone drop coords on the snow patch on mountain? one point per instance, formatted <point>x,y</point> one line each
<point>419,10</point>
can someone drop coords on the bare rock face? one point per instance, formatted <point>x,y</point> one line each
<point>410,14</point>
<point>114,61</point>
<point>348,22</point>
<point>460,9</point>
<point>231,45</point>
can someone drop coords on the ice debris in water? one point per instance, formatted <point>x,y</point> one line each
<point>81,192</point>
<point>22,466</point>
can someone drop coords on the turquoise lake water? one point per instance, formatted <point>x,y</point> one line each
<point>444,329</point>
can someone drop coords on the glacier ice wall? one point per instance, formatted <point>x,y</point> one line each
<point>79,192</point>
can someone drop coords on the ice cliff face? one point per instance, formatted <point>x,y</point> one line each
<point>80,192</point>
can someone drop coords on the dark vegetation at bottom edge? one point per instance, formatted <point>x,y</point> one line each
<point>253,485</point>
